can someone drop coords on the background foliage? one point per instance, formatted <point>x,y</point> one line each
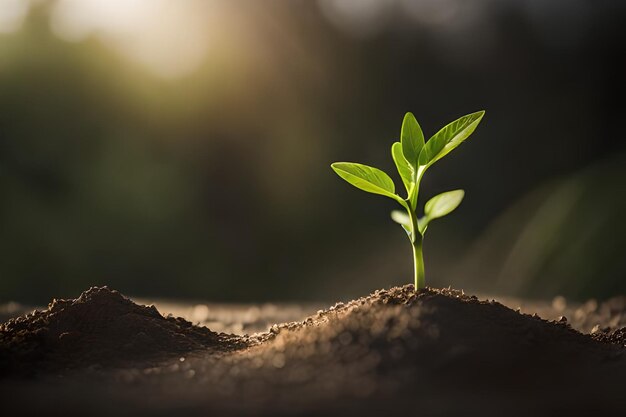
<point>183,148</point>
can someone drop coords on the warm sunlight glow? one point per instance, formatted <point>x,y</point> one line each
<point>12,14</point>
<point>171,38</point>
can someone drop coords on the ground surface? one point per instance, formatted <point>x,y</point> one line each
<point>434,352</point>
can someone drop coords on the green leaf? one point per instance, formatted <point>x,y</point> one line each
<point>412,139</point>
<point>448,138</point>
<point>404,168</point>
<point>403,220</point>
<point>367,178</point>
<point>401,217</point>
<point>442,204</point>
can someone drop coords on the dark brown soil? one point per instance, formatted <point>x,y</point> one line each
<point>101,328</point>
<point>398,352</point>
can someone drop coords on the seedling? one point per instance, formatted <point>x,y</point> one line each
<point>413,157</point>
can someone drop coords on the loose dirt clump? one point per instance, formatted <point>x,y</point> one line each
<point>101,328</point>
<point>617,336</point>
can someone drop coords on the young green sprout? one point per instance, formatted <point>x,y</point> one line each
<point>413,157</point>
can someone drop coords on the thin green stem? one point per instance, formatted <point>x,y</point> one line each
<point>418,259</point>
<point>416,236</point>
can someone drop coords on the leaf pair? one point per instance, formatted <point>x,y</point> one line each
<point>419,155</point>
<point>438,206</point>
<point>412,157</point>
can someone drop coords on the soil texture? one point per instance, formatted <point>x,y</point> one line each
<point>400,352</point>
<point>101,328</point>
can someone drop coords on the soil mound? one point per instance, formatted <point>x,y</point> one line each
<point>396,351</point>
<point>99,328</point>
<point>399,342</point>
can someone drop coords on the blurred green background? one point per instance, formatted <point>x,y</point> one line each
<point>182,148</point>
